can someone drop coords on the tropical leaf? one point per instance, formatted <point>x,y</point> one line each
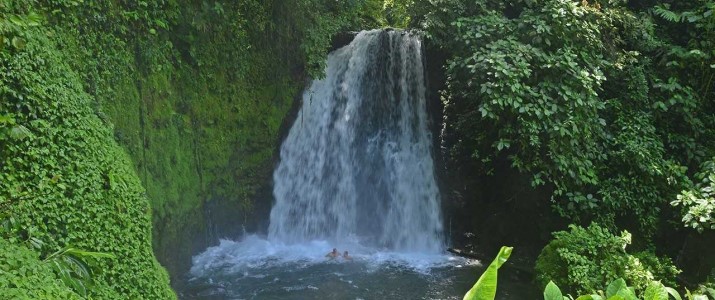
<point>710,291</point>
<point>655,291</point>
<point>589,297</point>
<point>72,265</point>
<point>82,253</point>
<point>667,14</point>
<point>6,119</point>
<point>615,287</point>
<point>20,132</point>
<point>18,43</point>
<point>486,286</point>
<point>36,243</point>
<point>618,289</point>
<point>552,292</point>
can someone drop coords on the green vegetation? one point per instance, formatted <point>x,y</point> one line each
<point>75,268</point>
<point>605,105</point>
<point>599,100</point>
<point>618,289</point>
<point>63,180</point>
<point>486,286</point>
<point>699,202</point>
<point>193,91</point>
<point>584,259</point>
<point>25,276</point>
<point>118,114</point>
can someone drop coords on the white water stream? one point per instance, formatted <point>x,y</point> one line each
<point>357,164</point>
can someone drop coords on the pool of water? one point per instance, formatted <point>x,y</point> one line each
<point>255,268</point>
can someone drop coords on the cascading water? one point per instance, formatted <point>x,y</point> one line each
<point>356,173</point>
<point>357,162</point>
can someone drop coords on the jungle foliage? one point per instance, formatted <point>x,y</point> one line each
<point>25,276</point>
<point>193,91</point>
<point>64,181</point>
<point>619,290</point>
<point>698,203</point>
<point>583,260</point>
<point>608,103</point>
<point>486,286</point>
<point>109,106</point>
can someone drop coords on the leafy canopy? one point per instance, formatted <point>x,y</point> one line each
<point>569,93</point>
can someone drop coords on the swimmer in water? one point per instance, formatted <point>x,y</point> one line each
<point>346,256</point>
<point>333,254</point>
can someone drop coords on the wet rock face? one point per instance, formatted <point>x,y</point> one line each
<point>342,39</point>
<point>691,259</point>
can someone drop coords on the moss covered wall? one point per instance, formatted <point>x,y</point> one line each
<point>196,91</point>
<point>198,110</point>
<point>193,91</point>
<point>64,181</point>
<point>197,137</point>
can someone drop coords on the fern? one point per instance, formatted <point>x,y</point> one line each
<point>74,267</point>
<point>667,14</point>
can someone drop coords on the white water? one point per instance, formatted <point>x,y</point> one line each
<point>257,253</point>
<point>256,268</point>
<point>356,171</point>
<point>357,163</point>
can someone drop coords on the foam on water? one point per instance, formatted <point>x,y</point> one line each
<point>254,253</point>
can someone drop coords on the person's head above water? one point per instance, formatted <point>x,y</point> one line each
<point>333,254</point>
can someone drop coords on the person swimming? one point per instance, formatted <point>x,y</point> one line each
<point>333,254</point>
<point>346,256</point>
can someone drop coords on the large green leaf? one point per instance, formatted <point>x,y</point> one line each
<point>486,286</point>
<point>73,267</point>
<point>618,289</point>
<point>589,297</point>
<point>6,119</point>
<point>710,291</point>
<point>20,132</point>
<point>82,253</point>
<point>673,293</point>
<point>655,291</point>
<point>552,292</point>
<point>615,287</point>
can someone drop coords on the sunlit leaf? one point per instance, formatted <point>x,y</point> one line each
<point>20,132</point>
<point>655,291</point>
<point>552,292</point>
<point>486,286</point>
<point>18,43</point>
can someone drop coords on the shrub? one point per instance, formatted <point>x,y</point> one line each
<point>619,289</point>
<point>698,202</point>
<point>24,276</point>
<point>65,182</point>
<point>583,260</point>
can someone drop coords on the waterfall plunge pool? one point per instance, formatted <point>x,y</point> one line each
<point>356,173</point>
<point>256,268</point>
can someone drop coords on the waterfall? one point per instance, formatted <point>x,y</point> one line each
<point>357,163</point>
